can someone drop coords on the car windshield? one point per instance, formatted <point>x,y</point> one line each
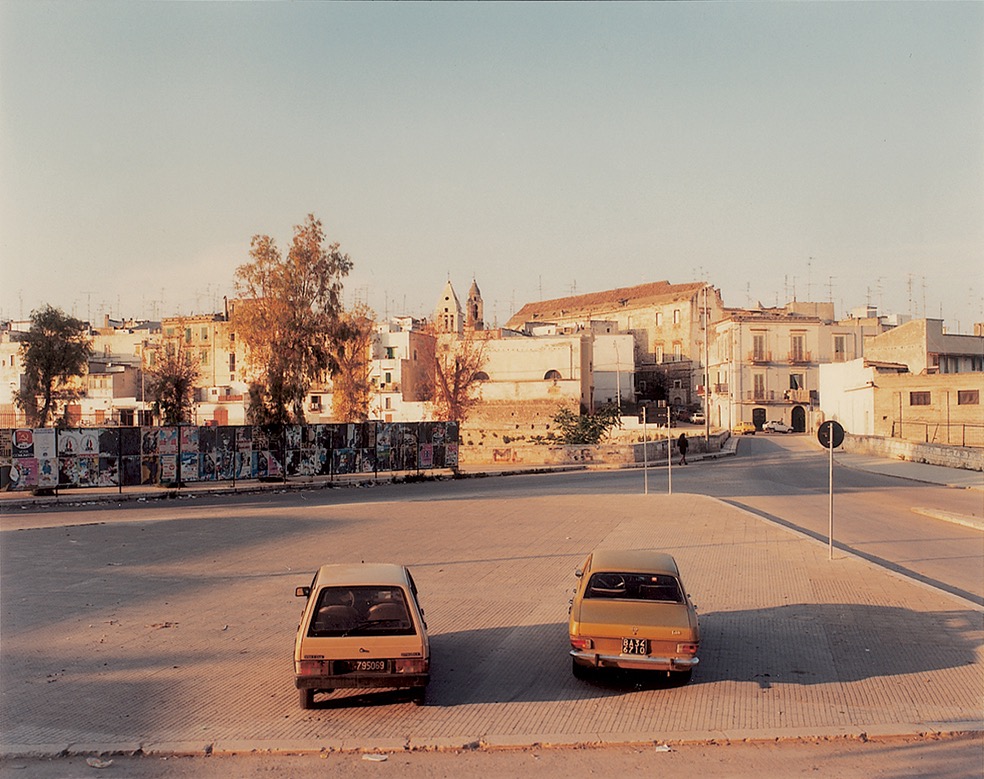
<point>361,611</point>
<point>634,586</point>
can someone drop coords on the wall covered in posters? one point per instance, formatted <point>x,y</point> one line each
<point>131,456</point>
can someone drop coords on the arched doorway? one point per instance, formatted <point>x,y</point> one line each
<point>758,417</point>
<point>798,420</point>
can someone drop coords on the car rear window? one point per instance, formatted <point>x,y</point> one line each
<point>361,611</point>
<point>634,586</point>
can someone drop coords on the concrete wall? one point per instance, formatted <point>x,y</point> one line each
<point>933,454</point>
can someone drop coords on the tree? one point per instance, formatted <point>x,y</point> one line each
<point>171,384</point>
<point>586,428</point>
<point>291,304</point>
<point>54,353</point>
<point>458,375</point>
<point>351,339</point>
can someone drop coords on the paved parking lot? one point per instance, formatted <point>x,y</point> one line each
<point>172,631</point>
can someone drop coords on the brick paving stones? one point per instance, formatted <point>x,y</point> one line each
<point>173,633</point>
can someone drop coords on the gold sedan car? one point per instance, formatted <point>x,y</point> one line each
<point>630,610</point>
<point>362,626</point>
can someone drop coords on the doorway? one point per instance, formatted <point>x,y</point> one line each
<point>798,420</point>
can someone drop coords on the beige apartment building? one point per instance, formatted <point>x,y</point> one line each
<point>764,362</point>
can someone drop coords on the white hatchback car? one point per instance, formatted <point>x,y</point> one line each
<point>776,427</point>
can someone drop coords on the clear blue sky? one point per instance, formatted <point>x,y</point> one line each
<point>769,148</point>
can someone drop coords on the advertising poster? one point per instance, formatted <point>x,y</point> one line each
<point>89,442</point>
<point>167,440</point>
<point>44,443</point>
<point>189,465</point>
<point>426,456</point>
<point>244,439</point>
<point>23,443</point>
<point>109,442</point>
<point>169,468</point>
<point>150,470</point>
<point>384,459</point>
<point>189,439</point>
<point>23,473</point>
<point>6,445</point>
<point>109,474</point>
<point>47,472</point>
<point>87,470</point>
<point>149,437</point>
<point>68,472</point>
<point>451,456</point>
<point>69,442</point>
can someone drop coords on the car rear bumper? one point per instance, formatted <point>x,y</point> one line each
<point>360,681</point>
<point>641,662</point>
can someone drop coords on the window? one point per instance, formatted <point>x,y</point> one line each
<point>388,404</point>
<point>659,319</point>
<point>796,351</point>
<point>659,353</point>
<point>796,381</point>
<point>389,378</point>
<point>759,385</point>
<point>551,375</point>
<point>187,335</point>
<point>634,586</point>
<point>203,357</point>
<point>677,351</point>
<point>840,348</point>
<point>315,402</point>
<point>758,347</point>
<point>204,333</point>
<point>676,316</point>
<point>678,384</point>
<point>919,399</point>
<point>968,397</point>
<point>390,352</point>
<point>232,361</point>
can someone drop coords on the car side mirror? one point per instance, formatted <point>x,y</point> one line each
<point>302,592</point>
<point>578,573</point>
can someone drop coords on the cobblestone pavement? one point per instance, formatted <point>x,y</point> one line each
<point>172,632</point>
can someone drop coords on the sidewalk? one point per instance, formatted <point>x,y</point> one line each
<point>903,469</point>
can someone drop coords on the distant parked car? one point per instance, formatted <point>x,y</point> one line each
<point>743,428</point>
<point>776,427</point>
<point>697,418</point>
<point>362,626</point>
<point>630,610</point>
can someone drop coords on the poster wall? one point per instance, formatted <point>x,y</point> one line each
<point>48,458</point>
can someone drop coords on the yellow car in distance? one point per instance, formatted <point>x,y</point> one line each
<point>743,428</point>
<point>630,610</point>
<point>362,626</point>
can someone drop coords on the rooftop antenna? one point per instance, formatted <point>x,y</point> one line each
<point>908,283</point>
<point>830,289</point>
<point>809,279</point>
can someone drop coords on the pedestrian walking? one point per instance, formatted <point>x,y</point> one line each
<point>683,444</point>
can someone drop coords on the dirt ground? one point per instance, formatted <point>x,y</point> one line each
<point>960,757</point>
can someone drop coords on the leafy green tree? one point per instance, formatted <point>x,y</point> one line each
<point>586,428</point>
<point>55,354</point>
<point>171,384</point>
<point>289,307</point>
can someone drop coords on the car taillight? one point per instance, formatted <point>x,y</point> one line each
<point>581,643</point>
<point>687,649</point>
<point>416,666</point>
<point>308,667</point>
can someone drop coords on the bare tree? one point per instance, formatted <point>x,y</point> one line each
<point>55,353</point>
<point>351,342</point>
<point>171,383</point>
<point>290,306</point>
<point>458,375</point>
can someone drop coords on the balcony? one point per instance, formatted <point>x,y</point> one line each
<point>759,357</point>
<point>799,358</point>
<point>721,389</point>
<point>772,396</point>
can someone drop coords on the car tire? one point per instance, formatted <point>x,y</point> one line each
<point>580,671</point>
<point>306,698</point>
<point>420,696</point>
<point>681,677</point>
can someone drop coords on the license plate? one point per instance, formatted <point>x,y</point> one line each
<point>366,666</point>
<point>635,646</point>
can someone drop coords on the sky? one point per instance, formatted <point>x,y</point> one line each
<point>778,150</point>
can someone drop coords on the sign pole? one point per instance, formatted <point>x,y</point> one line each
<point>669,454</point>
<point>830,501</point>
<point>645,453</point>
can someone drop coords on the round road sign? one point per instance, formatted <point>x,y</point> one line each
<point>830,434</point>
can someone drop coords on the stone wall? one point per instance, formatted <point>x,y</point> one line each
<point>966,457</point>
<point>627,454</point>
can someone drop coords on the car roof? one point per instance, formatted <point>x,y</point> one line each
<point>360,574</point>
<point>641,560</point>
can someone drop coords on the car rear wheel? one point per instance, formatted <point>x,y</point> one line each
<point>420,696</point>
<point>681,677</point>
<point>579,671</point>
<point>307,698</point>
